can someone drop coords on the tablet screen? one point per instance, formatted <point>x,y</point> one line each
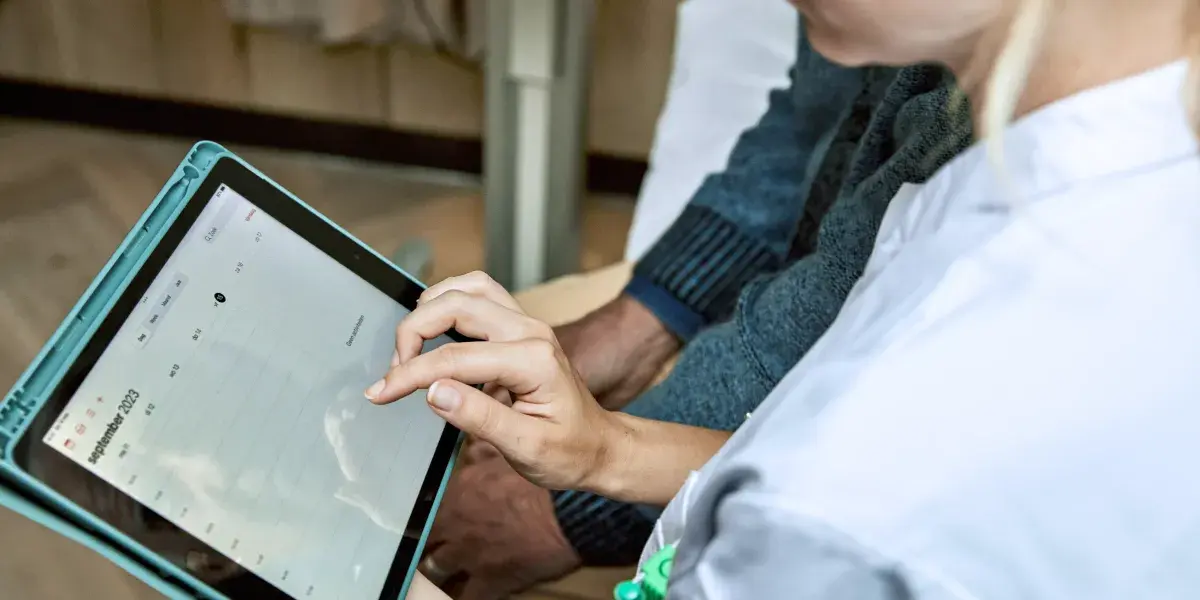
<point>231,403</point>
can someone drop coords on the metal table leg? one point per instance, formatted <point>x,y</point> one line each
<point>537,72</point>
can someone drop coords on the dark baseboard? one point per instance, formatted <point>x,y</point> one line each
<point>194,121</point>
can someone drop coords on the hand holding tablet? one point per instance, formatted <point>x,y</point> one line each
<point>199,419</point>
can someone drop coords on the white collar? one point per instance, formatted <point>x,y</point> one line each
<point>1118,128</point>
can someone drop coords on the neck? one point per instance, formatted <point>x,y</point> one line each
<point>1088,44</point>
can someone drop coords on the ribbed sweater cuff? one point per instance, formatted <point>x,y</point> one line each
<point>704,260</point>
<point>676,316</point>
<point>604,532</point>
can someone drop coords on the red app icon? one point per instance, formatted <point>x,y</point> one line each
<point>80,429</point>
<point>70,444</point>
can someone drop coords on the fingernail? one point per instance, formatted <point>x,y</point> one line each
<point>443,398</point>
<point>373,391</point>
<point>396,358</point>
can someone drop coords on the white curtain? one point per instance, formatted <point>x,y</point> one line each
<point>454,26</point>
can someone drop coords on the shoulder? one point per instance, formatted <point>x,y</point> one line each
<point>1019,384</point>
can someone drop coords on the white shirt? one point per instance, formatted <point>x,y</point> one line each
<point>1008,404</point>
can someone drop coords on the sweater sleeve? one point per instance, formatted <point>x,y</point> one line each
<point>728,56</point>
<point>898,131</point>
<point>741,222</point>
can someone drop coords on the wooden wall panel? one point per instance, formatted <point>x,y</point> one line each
<point>189,49</point>
<point>108,45</point>
<point>294,75</point>
<point>202,54</point>
<point>26,29</point>
<point>427,92</point>
<point>634,40</point>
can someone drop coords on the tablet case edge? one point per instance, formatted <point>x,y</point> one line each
<point>21,493</point>
<point>25,397</point>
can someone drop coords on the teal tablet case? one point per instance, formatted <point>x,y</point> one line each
<point>29,497</point>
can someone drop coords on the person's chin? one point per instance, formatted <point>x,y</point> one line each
<point>834,47</point>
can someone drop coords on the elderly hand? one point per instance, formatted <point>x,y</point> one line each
<point>495,533</point>
<point>618,350</point>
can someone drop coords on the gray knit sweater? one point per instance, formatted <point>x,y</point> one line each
<point>748,277</point>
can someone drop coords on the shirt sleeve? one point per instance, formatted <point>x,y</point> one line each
<point>755,549</point>
<point>741,222</point>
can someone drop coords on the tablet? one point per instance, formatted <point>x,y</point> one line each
<point>215,417</point>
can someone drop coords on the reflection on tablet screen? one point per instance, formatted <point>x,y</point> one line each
<point>231,404</point>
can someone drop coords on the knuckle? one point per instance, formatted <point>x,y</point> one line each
<point>453,295</point>
<point>542,351</point>
<point>455,300</point>
<point>543,359</point>
<point>539,330</point>
<point>484,284</point>
<point>478,279</point>
<point>493,285</point>
<point>405,333</point>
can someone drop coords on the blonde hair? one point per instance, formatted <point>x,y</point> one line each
<point>1192,90</point>
<point>1009,72</point>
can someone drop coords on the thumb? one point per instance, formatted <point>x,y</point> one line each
<point>478,414</point>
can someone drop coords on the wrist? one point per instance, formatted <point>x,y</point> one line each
<point>645,461</point>
<point>617,350</point>
<point>636,329</point>
<point>647,335</point>
<point>612,473</point>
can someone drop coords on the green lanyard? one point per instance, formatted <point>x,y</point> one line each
<point>651,581</point>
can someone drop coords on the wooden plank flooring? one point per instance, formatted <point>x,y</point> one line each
<point>67,197</point>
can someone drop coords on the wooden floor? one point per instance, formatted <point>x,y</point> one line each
<point>67,197</point>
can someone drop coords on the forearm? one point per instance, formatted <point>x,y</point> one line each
<point>618,349</point>
<point>647,461</point>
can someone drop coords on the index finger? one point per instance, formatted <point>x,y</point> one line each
<point>474,316</point>
<point>521,367</point>
<point>476,283</point>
